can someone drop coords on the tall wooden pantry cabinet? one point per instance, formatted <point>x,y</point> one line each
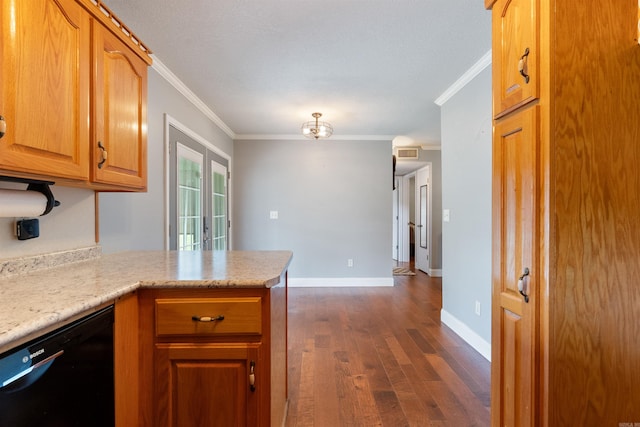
<point>566,213</point>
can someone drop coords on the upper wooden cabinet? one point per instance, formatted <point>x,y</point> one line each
<point>515,54</point>
<point>72,76</point>
<point>45,88</point>
<point>119,143</point>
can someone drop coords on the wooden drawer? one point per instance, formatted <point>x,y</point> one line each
<point>179,316</point>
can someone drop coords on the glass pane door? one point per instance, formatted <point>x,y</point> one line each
<point>189,187</point>
<point>219,206</point>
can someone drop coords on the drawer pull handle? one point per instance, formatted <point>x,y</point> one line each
<point>252,376</point>
<point>207,318</point>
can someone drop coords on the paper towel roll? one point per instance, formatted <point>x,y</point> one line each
<point>21,203</point>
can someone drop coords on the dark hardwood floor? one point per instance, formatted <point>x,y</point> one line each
<point>380,357</point>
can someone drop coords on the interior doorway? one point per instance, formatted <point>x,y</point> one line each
<point>414,205</point>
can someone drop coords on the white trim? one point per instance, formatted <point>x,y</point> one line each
<point>435,272</point>
<point>300,137</point>
<point>187,93</point>
<point>431,147</point>
<point>469,75</point>
<point>327,282</point>
<point>467,334</point>
<point>404,216</point>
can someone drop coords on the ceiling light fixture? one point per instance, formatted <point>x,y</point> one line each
<point>316,129</point>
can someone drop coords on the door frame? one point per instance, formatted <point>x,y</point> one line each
<point>396,246</point>
<point>171,121</point>
<point>405,195</point>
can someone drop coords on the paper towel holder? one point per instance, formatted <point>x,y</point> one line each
<point>39,186</point>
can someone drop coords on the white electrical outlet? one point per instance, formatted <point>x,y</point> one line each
<point>273,214</point>
<point>477,308</point>
<point>349,262</point>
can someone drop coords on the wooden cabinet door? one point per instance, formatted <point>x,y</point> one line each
<point>515,46</point>
<point>206,385</point>
<point>44,79</point>
<point>514,320</point>
<point>120,113</point>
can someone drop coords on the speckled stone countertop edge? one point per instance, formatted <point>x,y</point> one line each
<point>32,303</point>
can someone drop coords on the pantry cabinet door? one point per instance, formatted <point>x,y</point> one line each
<point>44,79</point>
<point>515,274</point>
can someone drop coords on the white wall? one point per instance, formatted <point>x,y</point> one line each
<point>137,220</point>
<point>466,192</point>
<point>334,203</point>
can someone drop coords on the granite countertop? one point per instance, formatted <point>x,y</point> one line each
<point>42,298</point>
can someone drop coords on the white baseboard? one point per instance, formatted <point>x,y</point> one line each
<point>472,338</point>
<point>326,282</point>
<point>435,272</point>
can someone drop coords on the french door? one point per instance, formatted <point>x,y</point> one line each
<point>198,196</point>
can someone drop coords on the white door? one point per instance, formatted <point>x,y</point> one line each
<point>218,211</point>
<point>423,218</point>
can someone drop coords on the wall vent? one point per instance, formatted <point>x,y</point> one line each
<point>405,153</point>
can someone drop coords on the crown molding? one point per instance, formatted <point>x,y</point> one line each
<point>300,137</point>
<point>469,75</point>
<point>192,97</point>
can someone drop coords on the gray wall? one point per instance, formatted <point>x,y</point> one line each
<point>466,192</point>
<point>334,202</point>
<point>137,220</point>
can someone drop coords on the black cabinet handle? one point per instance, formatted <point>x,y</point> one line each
<point>104,155</point>
<point>522,65</point>
<point>522,286</point>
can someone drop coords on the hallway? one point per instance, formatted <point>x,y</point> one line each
<point>380,357</point>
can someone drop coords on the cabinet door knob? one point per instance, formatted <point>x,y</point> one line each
<point>104,154</point>
<point>3,126</point>
<point>522,65</point>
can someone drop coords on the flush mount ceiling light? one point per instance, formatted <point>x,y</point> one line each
<point>315,129</point>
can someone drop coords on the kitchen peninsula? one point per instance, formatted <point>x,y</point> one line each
<point>235,308</point>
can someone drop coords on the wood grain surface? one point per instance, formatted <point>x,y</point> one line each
<point>380,357</point>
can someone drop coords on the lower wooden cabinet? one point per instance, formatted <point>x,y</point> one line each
<point>212,357</point>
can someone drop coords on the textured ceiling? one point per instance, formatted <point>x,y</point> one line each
<point>372,67</point>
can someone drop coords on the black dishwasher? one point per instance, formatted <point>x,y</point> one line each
<point>63,378</point>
